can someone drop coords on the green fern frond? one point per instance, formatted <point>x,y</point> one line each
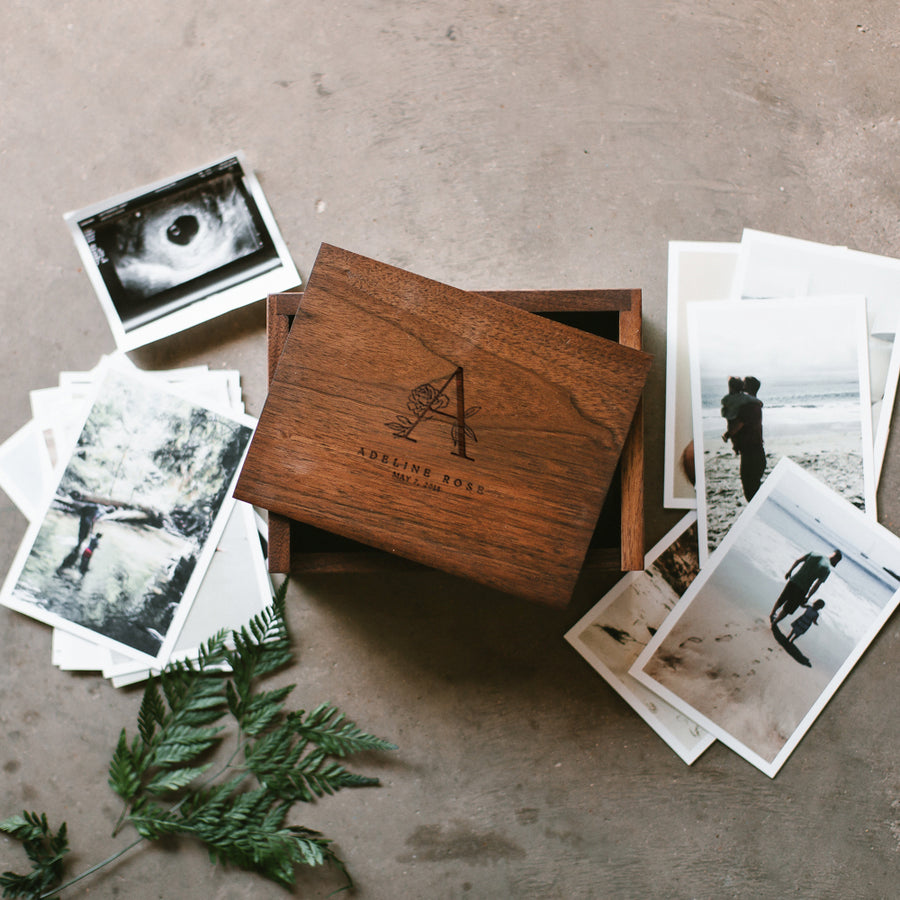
<point>263,645</point>
<point>182,744</point>
<point>331,777</point>
<point>166,782</point>
<point>212,652</point>
<point>254,658</point>
<point>327,727</point>
<point>194,697</point>
<point>152,711</point>
<point>295,777</point>
<point>246,830</point>
<point>175,681</point>
<point>273,750</point>
<point>257,712</point>
<point>125,771</point>
<point>45,850</point>
<point>240,812</point>
<point>205,704</point>
<point>153,822</point>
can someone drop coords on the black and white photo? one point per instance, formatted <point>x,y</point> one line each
<point>776,378</point>
<point>176,253</point>
<point>774,265</point>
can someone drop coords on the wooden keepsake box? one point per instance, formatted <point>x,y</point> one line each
<point>446,427</point>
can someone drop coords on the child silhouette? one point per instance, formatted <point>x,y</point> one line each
<point>88,552</point>
<point>803,623</point>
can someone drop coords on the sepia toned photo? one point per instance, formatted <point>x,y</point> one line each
<point>134,519</point>
<point>698,271</point>
<point>773,624</point>
<point>612,634</point>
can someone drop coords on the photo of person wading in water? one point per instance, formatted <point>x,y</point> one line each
<point>742,410</point>
<point>88,514</point>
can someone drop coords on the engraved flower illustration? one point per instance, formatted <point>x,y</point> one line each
<point>427,402</point>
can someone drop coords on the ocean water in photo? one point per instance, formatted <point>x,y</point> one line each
<point>793,405</point>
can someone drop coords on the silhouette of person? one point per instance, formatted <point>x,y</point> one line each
<point>746,434</point>
<point>88,513</point>
<point>803,623</point>
<point>88,552</point>
<point>803,580</point>
<point>731,405</point>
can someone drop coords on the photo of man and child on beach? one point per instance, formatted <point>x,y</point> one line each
<point>777,618</point>
<point>804,395</point>
<point>774,265</point>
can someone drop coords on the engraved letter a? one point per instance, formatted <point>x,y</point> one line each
<point>428,401</point>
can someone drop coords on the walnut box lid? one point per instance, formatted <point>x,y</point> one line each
<point>443,426</point>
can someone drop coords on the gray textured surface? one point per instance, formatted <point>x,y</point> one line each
<point>490,145</point>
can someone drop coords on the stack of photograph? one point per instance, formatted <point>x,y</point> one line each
<point>136,551</point>
<point>781,376</point>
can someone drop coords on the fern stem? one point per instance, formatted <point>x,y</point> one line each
<point>121,820</point>
<point>212,777</point>
<point>92,869</point>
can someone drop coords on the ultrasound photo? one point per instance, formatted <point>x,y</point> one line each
<point>174,240</point>
<point>163,252</point>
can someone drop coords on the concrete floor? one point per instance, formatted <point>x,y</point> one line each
<point>490,145</point>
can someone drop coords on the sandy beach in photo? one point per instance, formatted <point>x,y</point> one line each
<point>615,639</point>
<point>805,361</point>
<point>616,631</point>
<point>722,658</point>
<point>838,463</point>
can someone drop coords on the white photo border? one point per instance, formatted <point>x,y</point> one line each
<point>678,407</point>
<point>7,590</point>
<point>888,401</point>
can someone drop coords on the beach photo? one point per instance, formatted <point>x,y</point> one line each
<point>613,633</point>
<point>773,379</point>
<point>170,255</point>
<point>777,619</point>
<point>698,271</point>
<point>773,265</point>
<point>135,516</point>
